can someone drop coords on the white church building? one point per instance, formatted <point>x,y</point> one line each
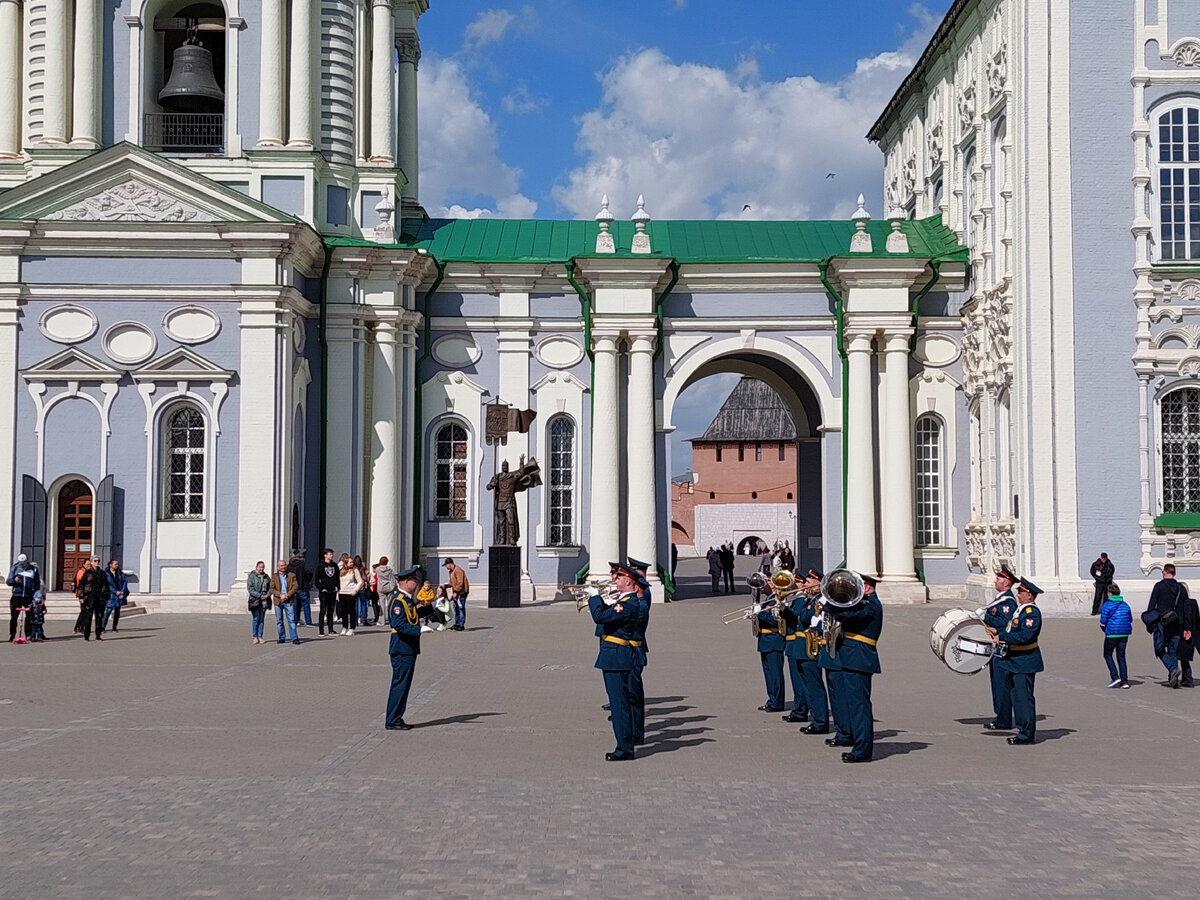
<point>229,329</point>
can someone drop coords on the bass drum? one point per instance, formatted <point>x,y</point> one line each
<point>959,639</point>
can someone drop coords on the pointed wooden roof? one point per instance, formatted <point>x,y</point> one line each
<point>752,412</point>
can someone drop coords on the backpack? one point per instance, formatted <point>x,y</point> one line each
<point>385,580</point>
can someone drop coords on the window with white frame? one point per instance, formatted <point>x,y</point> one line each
<point>999,163</point>
<point>561,431</point>
<point>183,464</point>
<point>451,464</point>
<point>1180,411</point>
<point>929,462</point>
<point>1179,183</point>
<point>968,198</point>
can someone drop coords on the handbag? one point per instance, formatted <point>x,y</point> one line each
<point>1150,619</point>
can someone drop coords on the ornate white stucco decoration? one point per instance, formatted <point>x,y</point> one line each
<point>966,107</point>
<point>384,232</point>
<point>129,343</point>
<point>1190,367</point>
<point>456,350</point>
<point>1186,54</point>
<point>558,352</point>
<point>132,201</point>
<point>68,324</point>
<point>987,341</point>
<point>861,242</point>
<point>936,350</point>
<point>641,218</point>
<point>997,72</point>
<point>934,141</point>
<point>604,219</point>
<point>191,324</point>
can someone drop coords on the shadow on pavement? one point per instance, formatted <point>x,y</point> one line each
<point>663,724</point>
<point>461,719</point>
<point>883,751</point>
<point>650,700</point>
<point>671,746</point>
<point>1054,734</point>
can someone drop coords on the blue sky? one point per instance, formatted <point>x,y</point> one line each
<point>536,109</point>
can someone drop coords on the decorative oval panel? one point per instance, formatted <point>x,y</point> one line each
<point>191,325</point>
<point>936,350</point>
<point>558,352</point>
<point>68,324</point>
<point>456,351</point>
<point>129,343</point>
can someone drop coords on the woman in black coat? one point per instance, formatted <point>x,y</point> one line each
<point>1189,615</point>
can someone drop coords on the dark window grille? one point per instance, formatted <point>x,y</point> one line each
<point>451,463</point>
<point>184,132</point>
<point>562,482</point>
<point>184,440</point>
<point>1181,451</point>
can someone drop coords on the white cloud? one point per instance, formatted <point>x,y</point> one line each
<point>520,101</point>
<point>460,164</point>
<point>492,25</point>
<point>703,142</point>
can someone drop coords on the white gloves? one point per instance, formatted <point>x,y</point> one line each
<point>757,608</point>
<point>816,620</point>
<point>425,628</point>
<point>611,601</point>
<point>593,591</point>
<point>979,612</point>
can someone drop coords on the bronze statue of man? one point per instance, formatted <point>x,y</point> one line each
<point>507,485</point>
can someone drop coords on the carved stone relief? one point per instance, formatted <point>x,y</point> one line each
<point>132,201</point>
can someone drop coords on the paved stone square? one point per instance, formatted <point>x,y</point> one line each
<point>175,759</point>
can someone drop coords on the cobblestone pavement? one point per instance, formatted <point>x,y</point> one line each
<point>175,759</point>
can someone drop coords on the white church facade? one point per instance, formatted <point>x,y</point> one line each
<point>228,328</point>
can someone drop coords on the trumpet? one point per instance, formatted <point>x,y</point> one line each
<point>609,592</point>
<point>747,612</point>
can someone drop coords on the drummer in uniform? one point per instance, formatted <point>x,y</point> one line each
<point>995,618</point>
<point>859,660</point>
<point>770,631</point>
<point>1023,660</point>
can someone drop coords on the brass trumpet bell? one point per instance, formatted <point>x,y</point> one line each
<point>842,589</point>
<point>783,580</point>
<point>192,87</point>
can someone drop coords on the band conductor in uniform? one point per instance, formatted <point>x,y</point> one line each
<point>404,648</point>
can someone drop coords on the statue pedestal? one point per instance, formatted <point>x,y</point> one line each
<point>504,577</point>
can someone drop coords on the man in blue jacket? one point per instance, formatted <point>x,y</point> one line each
<point>616,658</point>
<point>637,690</point>
<point>995,617</point>
<point>405,647</point>
<point>1022,661</point>
<point>859,659</point>
<point>770,631</point>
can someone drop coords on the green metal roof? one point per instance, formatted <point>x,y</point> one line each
<point>724,241</point>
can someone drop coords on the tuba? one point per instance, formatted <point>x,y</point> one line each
<point>840,589</point>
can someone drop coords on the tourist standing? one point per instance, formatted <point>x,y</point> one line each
<point>327,591</point>
<point>714,568</point>
<point>727,567</point>
<point>1116,620</point>
<point>1102,575</point>
<point>459,589</point>
<point>93,594</point>
<point>118,593</point>
<point>298,568</point>
<point>258,587</point>
<point>25,581</point>
<point>349,584</point>
<point>362,599</point>
<point>283,595</point>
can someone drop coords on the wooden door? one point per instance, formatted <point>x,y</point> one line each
<point>75,517</point>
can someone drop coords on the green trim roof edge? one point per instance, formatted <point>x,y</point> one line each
<point>685,241</point>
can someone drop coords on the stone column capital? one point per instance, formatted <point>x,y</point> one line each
<point>605,344</point>
<point>408,47</point>
<point>898,342</point>
<point>859,341</point>
<point>641,343</point>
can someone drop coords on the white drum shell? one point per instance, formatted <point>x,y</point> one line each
<point>960,640</point>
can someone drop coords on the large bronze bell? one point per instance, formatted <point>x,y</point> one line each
<point>192,88</point>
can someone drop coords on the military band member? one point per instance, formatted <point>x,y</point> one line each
<point>859,658</point>
<point>770,630</point>
<point>795,649</point>
<point>616,658</point>
<point>808,606</point>
<point>1023,660</point>
<point>995,617</point>
<point>831,666</point>
<point>637,690</point>
<point>405,646</point>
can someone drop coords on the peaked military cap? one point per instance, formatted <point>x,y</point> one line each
<point>637,563</point>
<point>1031,587</point>
<point>869,579</point>
<point>815,573</point>
<point>410,572</point>
<point>627,570</point>
<point>1009,574</point>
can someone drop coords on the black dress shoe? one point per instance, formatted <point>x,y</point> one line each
<point>834,742</point>
<point>767,708</point>
<point>399,726</point>
<point>992,726</point>
<point>614,757</point>
<point>606,707</point>
<point>850,757</point>
<point>1019,741</point>
<point>791,718</point>
<point>296,641</point>
<point>815,729</point>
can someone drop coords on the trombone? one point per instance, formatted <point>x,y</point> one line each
<point>609,593</point>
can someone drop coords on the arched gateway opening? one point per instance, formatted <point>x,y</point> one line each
<point>813,523</point>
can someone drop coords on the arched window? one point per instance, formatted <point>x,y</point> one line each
<point>968,198</point>
<point>452,461</point>
<point>1179,183</point>
<point>183,464</point>
<point>928,471</point>
<point>562,482</point>
<point>1181,451</point>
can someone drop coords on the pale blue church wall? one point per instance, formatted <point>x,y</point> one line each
<point>1183,21</point>
<point>1106,389</point>
<point>160,270</point>
<point>452,303</point>
<point>114,89</point>
<point>555,306</point>
<point>746,305</point>
<point>250,73</point>
<point>310,434</point>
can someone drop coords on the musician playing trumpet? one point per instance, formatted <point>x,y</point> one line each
<point>618,645</point>
<point>770,631</point>
<point>857,660</point>
<point>807,611</point>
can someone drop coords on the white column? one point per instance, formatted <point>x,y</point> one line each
<point>385,497</point>
<point>860,459</point>
<point>342,463</point>
<point>9,380</point>
<point>270,77</point>
<point>300,84</point>
<point>10,79</point>
<point>408,49</point>
<point>642,507</point>
<point>85,121</point>
<point>897,474</point>
<point>604,529</point>
<point>383,102</point>
<point>54,122</point>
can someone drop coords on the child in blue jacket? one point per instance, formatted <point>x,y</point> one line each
<point>1117,621</point>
